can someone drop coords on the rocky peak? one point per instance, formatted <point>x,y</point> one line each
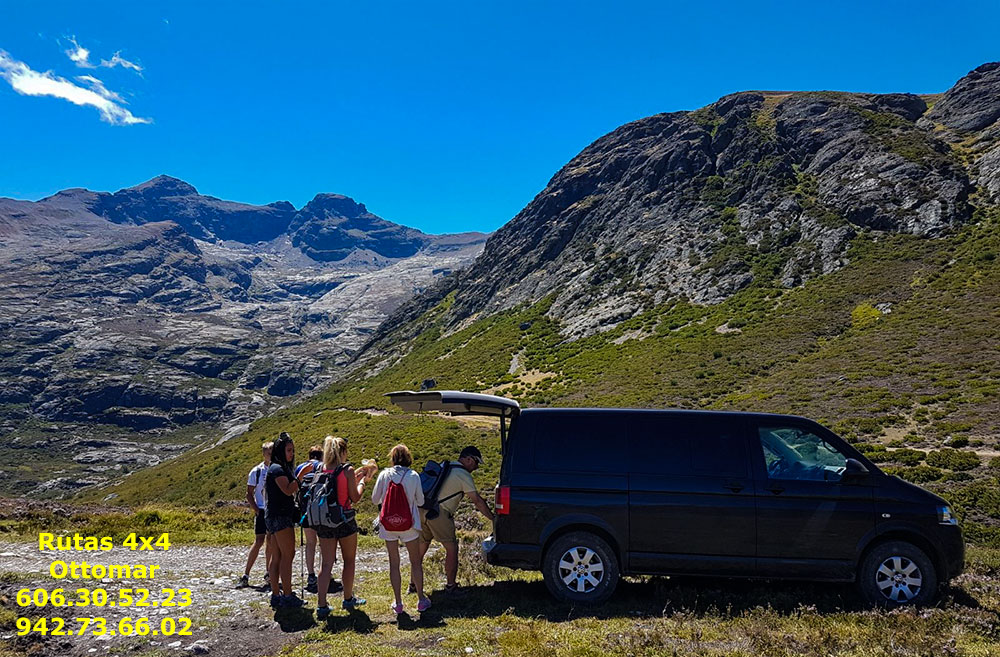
<point>334,204</point>
<point>973,103</point>
<point>161,186</point>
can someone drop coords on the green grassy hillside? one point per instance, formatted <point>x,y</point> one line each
<point>899,351</point>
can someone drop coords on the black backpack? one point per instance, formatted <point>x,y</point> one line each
<point>431,480</point>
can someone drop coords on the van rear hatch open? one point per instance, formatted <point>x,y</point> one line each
<point>457,402</point>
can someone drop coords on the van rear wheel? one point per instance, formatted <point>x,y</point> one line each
<point>896,574</point>
<point>581,567</point>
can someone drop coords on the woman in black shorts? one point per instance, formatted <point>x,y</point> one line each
<point>280,515</point>
<point>349,490</point>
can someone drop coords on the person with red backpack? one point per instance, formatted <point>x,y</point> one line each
<point>398,495</point>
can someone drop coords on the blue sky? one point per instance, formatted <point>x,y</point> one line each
<point>442,116</point>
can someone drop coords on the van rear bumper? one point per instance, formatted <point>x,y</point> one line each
<point>512,555</point>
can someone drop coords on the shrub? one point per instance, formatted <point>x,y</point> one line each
<point>908,456</point>
<point>919,475</point>
<point>953,459</point>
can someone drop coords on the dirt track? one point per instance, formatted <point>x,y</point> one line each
<point>222,614</point>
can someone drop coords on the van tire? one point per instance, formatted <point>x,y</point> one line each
<point>897,560</point>
<point>574,562</point>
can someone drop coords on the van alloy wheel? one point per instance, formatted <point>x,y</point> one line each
<point>899,579</point>
<point>581,569</point>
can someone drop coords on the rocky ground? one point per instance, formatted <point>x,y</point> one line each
<point>224,617</point>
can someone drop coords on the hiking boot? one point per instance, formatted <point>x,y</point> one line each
<point>291,601</point>
<point>243,582</point>
<point>322,612</point>
<point>275,600</point>
<point>352,603</point>
<point>335,586</point>
<point>311,584</point>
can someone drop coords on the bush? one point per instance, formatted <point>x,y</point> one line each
<point>908,456</point>
<point>919,475</point>
<point>953,459</point>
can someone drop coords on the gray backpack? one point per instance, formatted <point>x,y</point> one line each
<point>320,507</point>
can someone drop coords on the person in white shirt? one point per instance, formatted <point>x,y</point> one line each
<point>255,500</point>
<point>400,473</point>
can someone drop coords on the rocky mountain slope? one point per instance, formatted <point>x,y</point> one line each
<point>159,310</point>
<point>759,185</point>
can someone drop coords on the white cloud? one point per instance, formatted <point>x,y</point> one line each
<point>98,87</point>
<point>28,82</point>
<point>79,55</point>
<point>118,60</point>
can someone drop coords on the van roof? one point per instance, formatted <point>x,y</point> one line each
<point>674,411</point>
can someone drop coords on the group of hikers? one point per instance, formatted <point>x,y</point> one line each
<point>319,495</point>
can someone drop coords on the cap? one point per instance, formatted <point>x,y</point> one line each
<point>473,452</point>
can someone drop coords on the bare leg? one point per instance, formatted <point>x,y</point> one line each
<point>285,542</point>
<point>311,540</point>
<point>451,562</point>
<point>392,547</point>
<point>416,567</point>
<point>349,552</point>
<point>273,560</point>
<point>258,542</point>
<point>424,546</point>
<point>327,546</point>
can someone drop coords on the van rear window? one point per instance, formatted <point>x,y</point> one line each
<point>688,445</point>
<point>579,442</point>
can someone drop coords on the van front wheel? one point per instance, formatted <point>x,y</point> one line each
<point>896,574</point>
<point>581,567</point>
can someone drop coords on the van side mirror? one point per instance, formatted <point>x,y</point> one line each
<point>855,472</point>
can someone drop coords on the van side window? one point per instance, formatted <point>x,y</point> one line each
<point>579,442</point>
<point>685,445</point>
<point>795,453</point>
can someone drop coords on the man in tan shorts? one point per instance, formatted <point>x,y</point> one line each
<point>457,483</point>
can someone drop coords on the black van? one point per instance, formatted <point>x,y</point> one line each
<point>588,495</point>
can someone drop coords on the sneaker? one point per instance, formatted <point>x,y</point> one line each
<point>243,582</point>
<point>397,609</point>
<point>311,584</point>
<point>275,600</point>
<point>352,603</point>
<point>423,605</point>
<point>291,601</point>
<point>411,588</point>
<point>453,590</point>
<point>322,612</point>
<point>335,586</point>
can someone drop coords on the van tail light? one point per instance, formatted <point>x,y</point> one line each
<point>502,501</point>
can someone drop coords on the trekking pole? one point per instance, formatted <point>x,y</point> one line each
<point>302,561</point>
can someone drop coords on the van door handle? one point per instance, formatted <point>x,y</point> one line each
<point>777,490</point>
<point>734,486</point>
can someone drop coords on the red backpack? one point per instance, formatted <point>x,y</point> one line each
<point>395,515</point>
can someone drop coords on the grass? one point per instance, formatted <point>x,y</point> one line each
<point>511,613</point>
